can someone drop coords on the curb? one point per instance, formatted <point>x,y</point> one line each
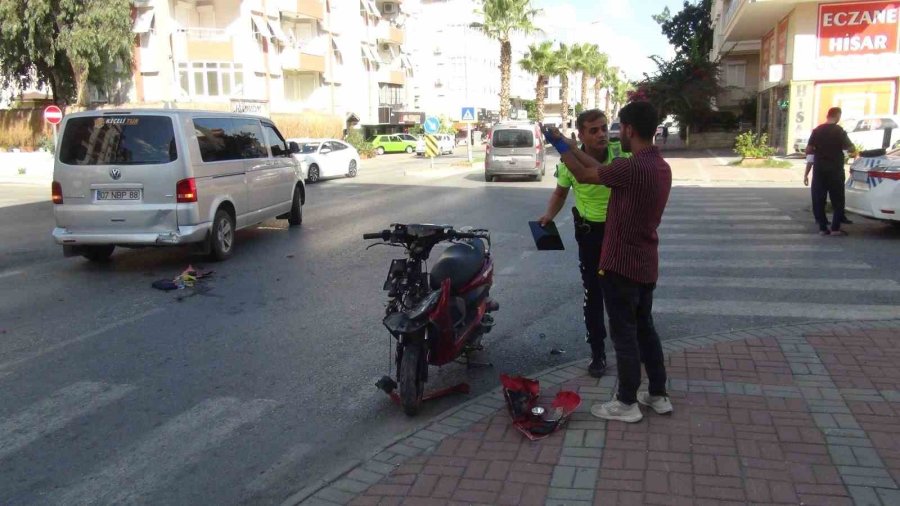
<point>385,460</point>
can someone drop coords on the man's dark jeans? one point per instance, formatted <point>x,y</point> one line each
<point>828,183</point>
<point>630,305</point>
<point>589,245</point>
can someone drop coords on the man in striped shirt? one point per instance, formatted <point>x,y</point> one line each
<point>629,262</point>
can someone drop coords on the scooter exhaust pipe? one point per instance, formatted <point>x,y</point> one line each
<point>492,305</point>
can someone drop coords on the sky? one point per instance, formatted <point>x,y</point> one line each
<point>622,28</point>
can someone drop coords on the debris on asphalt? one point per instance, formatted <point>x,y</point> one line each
<point>187,279</point>
<point>557,351</point>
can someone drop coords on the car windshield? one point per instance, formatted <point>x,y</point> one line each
<point>513,139</point>
<point>309,147</point>
<point>120,140</point>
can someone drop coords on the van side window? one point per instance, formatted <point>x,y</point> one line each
<point>276,141</point>
<point>248,141</point>
<point>222,139</point>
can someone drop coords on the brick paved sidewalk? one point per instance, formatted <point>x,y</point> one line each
<point>806,414</point>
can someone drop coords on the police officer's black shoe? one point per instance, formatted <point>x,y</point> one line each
<point>597,367</point>
<point>845,221</point>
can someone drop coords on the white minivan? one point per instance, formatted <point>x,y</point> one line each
<point>146,177</point>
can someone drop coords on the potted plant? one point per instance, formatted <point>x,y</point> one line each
<point>754,149</point>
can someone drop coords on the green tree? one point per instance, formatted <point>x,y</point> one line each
<point>539,61</point>
<point>563,65</point>
<point>500,19</point>
<point>597,68</point>
<point>620,92</point>
<point>585,58</point>
<point>689,30</point>
<point>65,44</point>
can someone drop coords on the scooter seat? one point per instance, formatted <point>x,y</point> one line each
<point>460,263</point>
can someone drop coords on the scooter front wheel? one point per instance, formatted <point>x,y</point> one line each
<point>412,382</point>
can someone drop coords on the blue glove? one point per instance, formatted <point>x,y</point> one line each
<point>557,142</point>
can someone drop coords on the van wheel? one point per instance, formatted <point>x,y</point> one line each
<point>489,178</point>
<point>313,175</point>
<point>296,215</point>
<point>222,236</point>
<point>98,254</point>
<point>351,172</point>
<point>409,149</point>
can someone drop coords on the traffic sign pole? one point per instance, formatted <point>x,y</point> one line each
<point>469,141</point>
<point>468,115</point>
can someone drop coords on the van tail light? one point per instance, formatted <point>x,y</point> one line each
<point>186,191</point>
<point>56,190</point>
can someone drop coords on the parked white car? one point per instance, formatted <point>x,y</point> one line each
<point>446,143</point>
<point>873,188</point>
<point>867,132</point>
<point>326,158</point>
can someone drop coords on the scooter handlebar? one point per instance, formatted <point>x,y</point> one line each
<point>384,235</point>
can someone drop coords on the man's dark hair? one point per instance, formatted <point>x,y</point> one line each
<point>834,112</point>
<point>641,116</point>
<point>589,116</point>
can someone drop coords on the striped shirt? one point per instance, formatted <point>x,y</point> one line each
<point>640,189</point>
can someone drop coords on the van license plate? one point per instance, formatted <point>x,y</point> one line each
<point>118,194</point>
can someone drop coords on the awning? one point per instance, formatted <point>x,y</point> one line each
<point>372,53</point>
<point>275,27</point>
<point>369,7</point>
<point>144,21</point>
<point>406,62</point>
<point>261,26</point>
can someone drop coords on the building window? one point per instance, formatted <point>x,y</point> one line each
<point>390,94</point>
<point>299,87</point>
<point>736,74</point>
<point>211,79</point>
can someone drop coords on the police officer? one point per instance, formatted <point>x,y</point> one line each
<point>590,217</point>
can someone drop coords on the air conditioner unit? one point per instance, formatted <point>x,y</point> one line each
<point>389,7</point>
<point>385,47</point>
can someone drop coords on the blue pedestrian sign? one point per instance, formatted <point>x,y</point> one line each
<point>468,114</point>
<point>432,125</point>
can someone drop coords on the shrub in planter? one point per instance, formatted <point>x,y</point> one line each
<point>355,139</point>
<point>750,145</point>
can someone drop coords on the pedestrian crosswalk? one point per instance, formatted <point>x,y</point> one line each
<point>729,255</point>
<point>146,462</point>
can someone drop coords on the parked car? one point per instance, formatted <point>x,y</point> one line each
<point>514,149</point>
<point>147,177</point>
<point>873,188</point>
<point>326,158</point>
<point>392,143</point>
<point>868,132</point>
<point>445,142</point>
<point>615,130</point>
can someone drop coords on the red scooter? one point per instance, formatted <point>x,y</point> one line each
<point>435,317</point>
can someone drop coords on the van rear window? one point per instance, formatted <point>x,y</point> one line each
<point>512,139</point>
<point>119,140</point>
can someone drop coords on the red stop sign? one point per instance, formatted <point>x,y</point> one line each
<point>53,114</point>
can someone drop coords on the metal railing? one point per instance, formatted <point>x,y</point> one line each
<point>200,33</point>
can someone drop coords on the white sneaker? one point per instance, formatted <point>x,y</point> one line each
<point>615,410</point>
<point>659,403</point>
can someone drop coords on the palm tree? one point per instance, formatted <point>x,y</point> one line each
<point>562,66</point>
<point>620,94</point>
<point>500,19</point>
<point>610,79</point>
<point>596,69</point>
<point>585,58</point>
<point>539,61</point>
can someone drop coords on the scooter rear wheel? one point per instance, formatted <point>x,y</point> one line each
<point>412,383</point>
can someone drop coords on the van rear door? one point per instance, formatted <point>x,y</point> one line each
<point>118,174</point>
<point>513,149</point>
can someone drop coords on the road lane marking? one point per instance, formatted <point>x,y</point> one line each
<point>726,217</point>
<point>856,285</point>
<point>8,274</point>
<point>807,310</point>
<point>280,469</point>
<point>83,337</point>
<point>736,226</point>
<point>54,412</point>
<point>711,209</point>
<point>811,263</point>
<point>158,458</point>
<point>738,248</point>
<point>813,238</point>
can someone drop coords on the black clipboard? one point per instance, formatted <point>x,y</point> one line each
<point>546,238</point>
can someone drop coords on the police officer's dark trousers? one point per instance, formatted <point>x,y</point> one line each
<point>828,182</point>
<point>589,236</point>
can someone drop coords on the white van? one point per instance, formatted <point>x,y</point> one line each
<point>148,177</point>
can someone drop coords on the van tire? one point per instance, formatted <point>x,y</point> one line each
<point>221,237</point>
<point>99,254</point>
<point>295,217</point>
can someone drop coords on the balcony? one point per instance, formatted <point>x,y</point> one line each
<point>199,43</point>
<point>308,56</point>
<point>752,19</point>
<point>388,32</point>
<point>304,9</point>
<point>391,76</point>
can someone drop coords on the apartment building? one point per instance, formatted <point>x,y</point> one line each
<point>339,57</point>
<point>812,55</point>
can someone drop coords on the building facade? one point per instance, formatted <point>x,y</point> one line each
<point>338,57</point>
<point>814,55</point>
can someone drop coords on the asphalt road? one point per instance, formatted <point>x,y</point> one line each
<point>263,382</point>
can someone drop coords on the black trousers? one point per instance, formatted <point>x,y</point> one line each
<point>630,307</point>
<point>589,245</point>
<point>828,184</point>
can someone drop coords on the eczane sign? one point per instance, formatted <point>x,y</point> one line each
<point>858,28</point>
